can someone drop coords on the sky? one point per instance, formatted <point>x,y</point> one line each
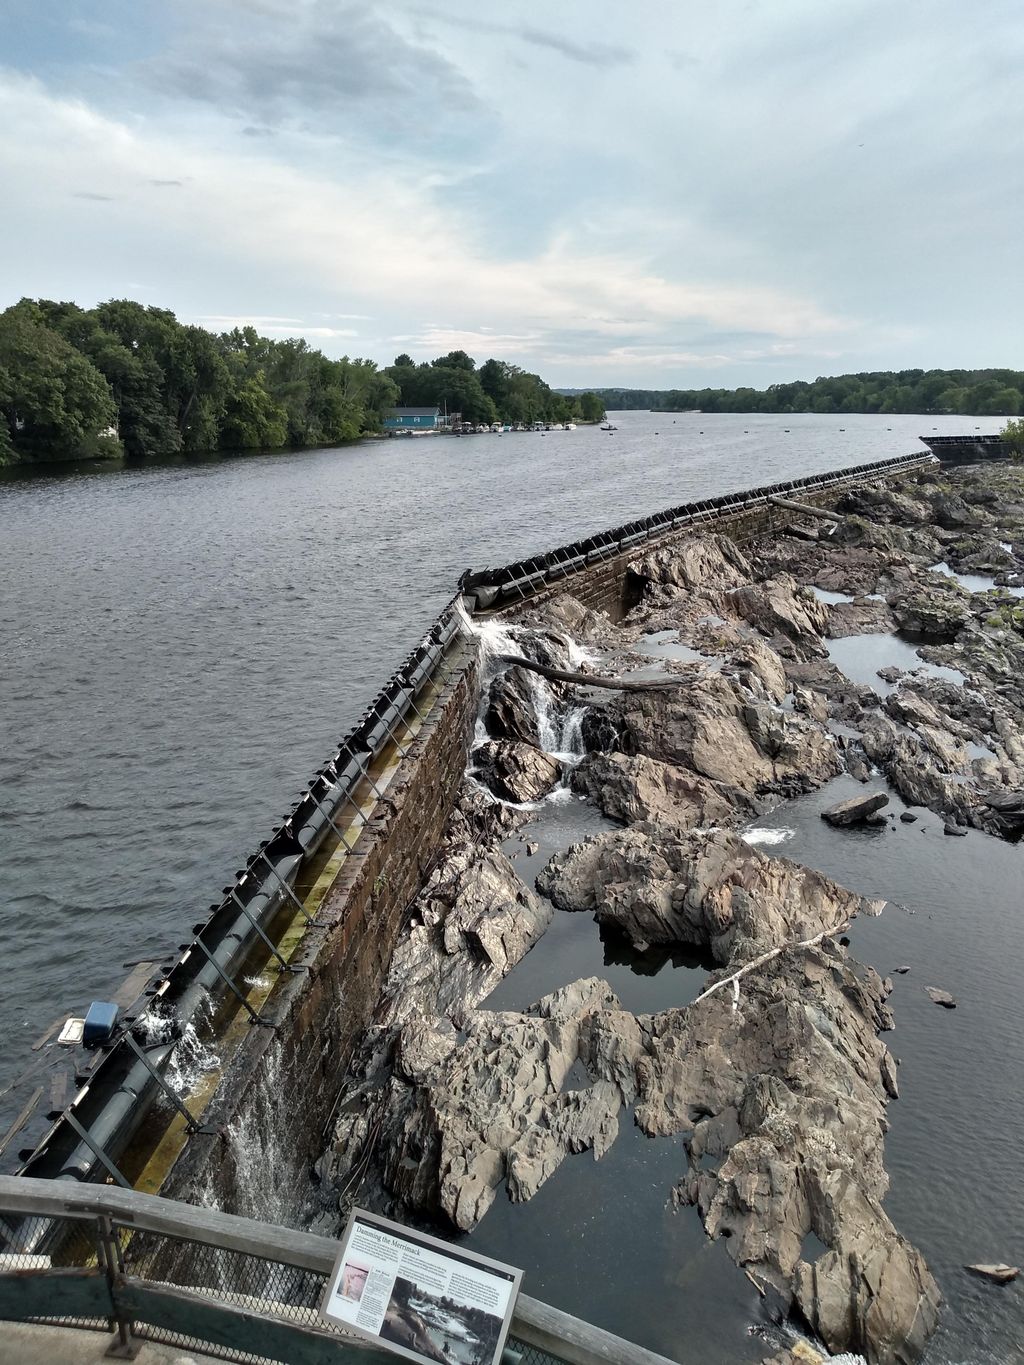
<point>655,195</point>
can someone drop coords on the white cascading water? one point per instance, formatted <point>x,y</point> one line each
<point>191,1058</point>
<point>560,733</point>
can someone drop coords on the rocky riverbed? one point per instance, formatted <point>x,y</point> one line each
<point>774,1078</point>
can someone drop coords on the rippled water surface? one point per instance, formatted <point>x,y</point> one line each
<point>183,643</point>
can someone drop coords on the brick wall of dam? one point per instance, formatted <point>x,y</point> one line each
<point>286,1075</point>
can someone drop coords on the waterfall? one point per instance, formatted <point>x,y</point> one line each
<point>559,729</point>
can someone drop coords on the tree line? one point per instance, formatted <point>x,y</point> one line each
<point>496,391</point>
<point>994,392</point>
<point>126,379</point>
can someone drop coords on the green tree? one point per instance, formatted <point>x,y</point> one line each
<point>54,401</point>
<point>252,420</point>
<point>591,407</point>
<point>1013,435</point>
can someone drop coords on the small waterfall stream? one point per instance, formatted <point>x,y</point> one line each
<point>559,727</point>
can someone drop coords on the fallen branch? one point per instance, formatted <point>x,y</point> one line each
<point>767,957</point>
<point>806,509</point>
<point>592,679</point>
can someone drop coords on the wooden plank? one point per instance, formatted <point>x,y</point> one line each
<point>45,1038</point>
<point>223,1324</point>
<point>74,1292</point>
<point>22,1119</point>
<point>575,1341</point>
<point>132,987</point>
<point>58,1093</point>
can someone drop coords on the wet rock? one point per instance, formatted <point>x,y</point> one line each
<point>780,607</point>
<point>516,771</point>
<point>700,887</point>
<point>720,731</point>
<point>1007,811</point>
<point>901,971</point>
<point>511,711</point>
<point>856,810</point>
<point>863,616</point>
<point>939,997</point>
<point>908,817</point>
<point>998,1273</point>
<point>532,849</point>
<point>634,788</point>
<point>711,562</point>
<point>958,831</point>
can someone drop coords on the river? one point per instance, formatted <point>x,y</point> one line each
<point>183,643</point>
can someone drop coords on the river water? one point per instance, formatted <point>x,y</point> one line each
<point>182,643</point>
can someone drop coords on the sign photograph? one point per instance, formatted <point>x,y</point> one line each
<point>418,1296</point>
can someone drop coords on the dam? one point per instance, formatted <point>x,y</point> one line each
<point>282,979</point>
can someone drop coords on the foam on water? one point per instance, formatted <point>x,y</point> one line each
<point>766,836</point>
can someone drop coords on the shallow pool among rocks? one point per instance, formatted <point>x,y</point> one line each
<point>860,657</point>
<point>953,1153</point>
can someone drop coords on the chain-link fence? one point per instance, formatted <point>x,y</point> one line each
<point>101,1258</point>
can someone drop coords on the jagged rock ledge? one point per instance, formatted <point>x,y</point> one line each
<point>778,1079</point>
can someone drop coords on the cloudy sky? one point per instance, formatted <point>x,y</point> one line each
<point>659,194</point>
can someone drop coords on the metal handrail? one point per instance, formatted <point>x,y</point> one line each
<point>536,1324</point>
<point>500,581</point>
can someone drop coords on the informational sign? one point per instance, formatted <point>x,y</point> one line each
<point>418,1296</point>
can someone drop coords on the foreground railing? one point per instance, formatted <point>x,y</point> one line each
<point>194,1278</point>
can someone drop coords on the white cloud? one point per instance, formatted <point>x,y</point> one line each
<point>378,238</point>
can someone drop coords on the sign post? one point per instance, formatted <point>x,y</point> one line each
<point>418,1296</point>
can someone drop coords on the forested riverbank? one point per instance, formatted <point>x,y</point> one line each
<point>123,379</point>
<point>986,393</point>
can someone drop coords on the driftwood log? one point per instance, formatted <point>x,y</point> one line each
<point>592,679</point>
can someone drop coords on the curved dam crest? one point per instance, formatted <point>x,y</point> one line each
<point>258,1092</point>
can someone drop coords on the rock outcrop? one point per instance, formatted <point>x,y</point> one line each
<point>635,789</point>
<point>858,810</point>
<point>712,563</point>
<point>516,771</point>
<point>722,731</point>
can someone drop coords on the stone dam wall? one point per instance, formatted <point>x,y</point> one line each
<point>282,1087</point>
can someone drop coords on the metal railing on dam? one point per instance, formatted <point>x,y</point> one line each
<point>255,928</point>
<point>242,971</point>
<point>497,587</point>
<point>247,1291</point>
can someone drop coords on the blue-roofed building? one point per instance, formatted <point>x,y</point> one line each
<point>412,419</point>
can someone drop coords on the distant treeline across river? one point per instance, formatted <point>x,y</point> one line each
<point>986,393</point>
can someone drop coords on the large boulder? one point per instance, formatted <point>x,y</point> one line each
<point>711,563</point>
<point>470,925</point>
<point>882,503</point>
<point>722,730</point>
<point>516,771</point>
<point>937,610</point>
<point>699,887</point>
<point>782,609</point>
<point>635,789</point>
<point>511,711</point>
<point>856,811</point>
<point>862,616</point>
